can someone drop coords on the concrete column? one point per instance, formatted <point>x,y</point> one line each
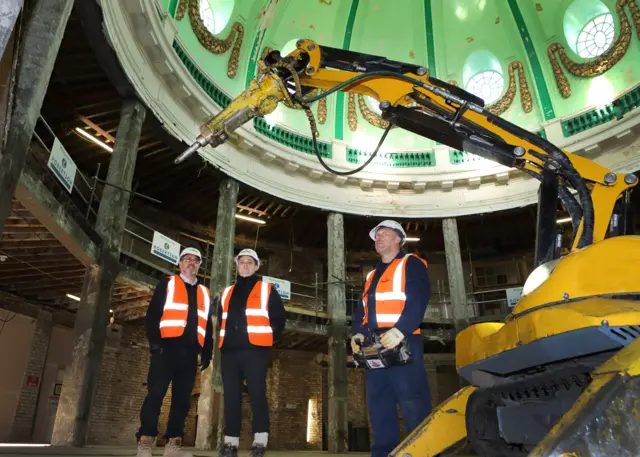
<point>9,33</point>
<point>44,26</point>
<point>114,204</point>
<point>9,10</point>
<point>221,270</point>
<point>337,436</point>
<point>523,270</point>
<point>23,422</point>
<point>456,274</point>
<point>90,331</point>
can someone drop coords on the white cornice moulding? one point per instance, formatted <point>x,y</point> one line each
<point>144,47</point>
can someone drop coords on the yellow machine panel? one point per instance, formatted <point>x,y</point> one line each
<point>590,272</point>
<point>444,428</point>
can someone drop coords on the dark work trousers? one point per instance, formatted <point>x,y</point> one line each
<point>176,365</point>
<point>238,365</point>
<point>403,385</point>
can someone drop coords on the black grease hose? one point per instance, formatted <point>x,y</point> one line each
<point>566,168</point>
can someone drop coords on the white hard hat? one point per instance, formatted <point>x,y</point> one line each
<point>251,253</point>
<point>392,225</point>
<point>193,251</point>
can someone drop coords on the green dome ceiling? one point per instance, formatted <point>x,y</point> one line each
<point>564,69</point>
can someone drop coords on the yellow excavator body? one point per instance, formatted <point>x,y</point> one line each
<point>584,313</point>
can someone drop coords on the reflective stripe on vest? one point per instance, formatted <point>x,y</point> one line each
<point>176,310</point>
<point>257,312</point>
<point>389,294</point>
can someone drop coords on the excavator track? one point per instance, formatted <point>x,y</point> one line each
<point>509,419</point>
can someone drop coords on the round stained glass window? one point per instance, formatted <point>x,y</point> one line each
<point>487,85</point>
<point>596,37</point>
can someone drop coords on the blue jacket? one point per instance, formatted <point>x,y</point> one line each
<point>418,292</point>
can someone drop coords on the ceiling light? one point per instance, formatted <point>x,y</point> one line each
<point>73,297</point>
<point>412,239</point>
<point>94,139</point>
<point>250,219</point>
<point>563,220</point>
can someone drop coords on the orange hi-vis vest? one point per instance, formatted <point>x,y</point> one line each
<point>257,312</point>
<point>390,293</point>
<point>176,310</point>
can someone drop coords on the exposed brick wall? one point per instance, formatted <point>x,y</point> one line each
<point>121,387</point>
<point>294,384</point>
<point>296,380</point>
<point>28,400</point>
<point>357,401</point>
<point>293,379</point>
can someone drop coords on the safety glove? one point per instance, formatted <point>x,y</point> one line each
<point>356,342</point>
<point>391,338</point>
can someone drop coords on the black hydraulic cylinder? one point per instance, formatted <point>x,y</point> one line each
<point>546,223</point>
<point>628,213</point>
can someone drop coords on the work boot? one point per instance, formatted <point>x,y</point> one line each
<point>258,450</point>
<point>173,448</point>
<point>228,450</point>
<point>145,443</point>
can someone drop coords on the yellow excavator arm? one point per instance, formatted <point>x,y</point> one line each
<point>413,100</point>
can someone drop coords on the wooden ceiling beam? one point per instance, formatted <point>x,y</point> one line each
<point>89,123</point>
<point>131,294</point>
<point>131,305</point>
<point>48,267</point>
<point>251,210</point>
<point>60,273</point>
<point>25,260</point>
<point>146,145</point>
<point>39,244</point>
<point>99,104</point>
<point>157,152</point>
<point>16,230</point>
<point>46,276</point>
<point>109,112</point>
<point>52,290</point>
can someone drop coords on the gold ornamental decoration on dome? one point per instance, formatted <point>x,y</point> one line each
<point>208,40</point>
<point>602,63</point>
<point>509,96</point>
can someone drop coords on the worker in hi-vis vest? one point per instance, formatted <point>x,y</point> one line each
<point>252,318</point>
<point>394,300</point>
<point>179,328</point>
